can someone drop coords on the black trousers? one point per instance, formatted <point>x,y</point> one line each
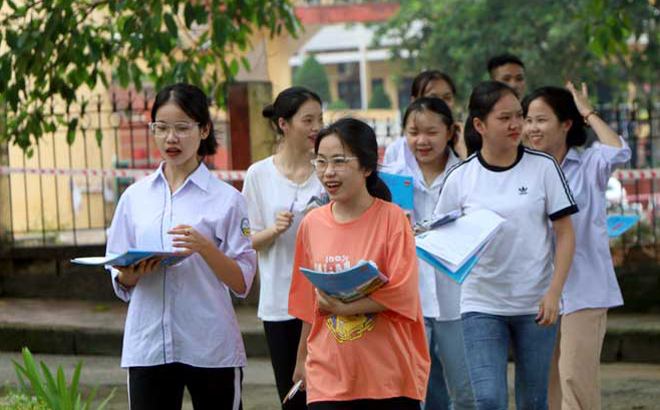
<point>396,403</point>
<point>283,338</point>
<point>161,387</point>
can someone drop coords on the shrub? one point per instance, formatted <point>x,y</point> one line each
<point>379,99</point>
<point>53,392</point>
<point>312,75</point>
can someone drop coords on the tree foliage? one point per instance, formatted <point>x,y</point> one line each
<point>557,40</point>
<point>379,98</point>
<point>312,75</point>
<point>51,49</point>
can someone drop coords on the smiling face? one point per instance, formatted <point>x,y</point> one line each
<point>301,129</point>
<point>427,136</point>
<point>440,89</point>
<point>544,130</point>
<point>349,180</point>
<point>502,128</point>
<point>179,151</point>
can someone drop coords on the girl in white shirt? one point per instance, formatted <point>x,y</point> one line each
<point>181,330</point>
<point>555,120</point>
<point>432,84</point>
<point>277,190</point>
<point>511,296</point>
<point>430,134</point>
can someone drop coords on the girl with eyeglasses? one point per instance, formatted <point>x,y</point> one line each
<point>511,296</point>
<point>555,122</point>
<point>430,135</point>
<point>370,353</point>
<point>277,189</point>
<point>181,329</point>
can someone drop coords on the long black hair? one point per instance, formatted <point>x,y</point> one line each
<point>437,106</point>
<point>191,100</point>
<point>561,101</point>
<point>361,141</point>
<point>287,104</point>
<point>482,100</point>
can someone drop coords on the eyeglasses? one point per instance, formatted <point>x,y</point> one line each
<point>181,129</point>
<point>338,163</point>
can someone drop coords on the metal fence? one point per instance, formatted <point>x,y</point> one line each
<point>66,193</point>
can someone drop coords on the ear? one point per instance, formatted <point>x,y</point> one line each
<point>479,125</point>
<point>367,172</point>
<point>566,125</point>
<point>282,123</point>
<point>205,131</point>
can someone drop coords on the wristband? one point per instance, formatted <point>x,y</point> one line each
<point>586,117</point>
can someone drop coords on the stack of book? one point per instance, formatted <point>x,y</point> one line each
<point>454,247</point>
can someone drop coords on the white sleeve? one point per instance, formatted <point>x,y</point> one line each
<point>235,242</point>
<point>559,201</point>
<point>450,195</point>
<point>121,236</point>
<point>602,158</point>
<point>251,195</point>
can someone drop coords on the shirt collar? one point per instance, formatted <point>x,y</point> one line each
<point>199,176</point>
<point>572,155</point>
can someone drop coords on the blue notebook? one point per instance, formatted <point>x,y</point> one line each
<point>402,189</point>
<point>130,257</point>
<point>618,224</point>
<point>348,285</point>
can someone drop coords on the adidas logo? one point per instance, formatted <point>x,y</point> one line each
<point>522,190</point>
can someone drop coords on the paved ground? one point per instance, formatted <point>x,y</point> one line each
<point>626,386</point>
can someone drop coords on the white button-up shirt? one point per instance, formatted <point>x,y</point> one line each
<point>440,295</point>
<point>182,313</point>
<point>591,281</point>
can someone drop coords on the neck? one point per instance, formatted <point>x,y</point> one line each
<point>176,175</point>
<point>559,153</point>
<point>431,170</point>
<point>293,157</point>
<point>499,157</point>
<point>352,208</point>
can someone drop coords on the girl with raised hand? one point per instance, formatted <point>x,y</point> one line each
<point>277,190</point>
<point>430,134</point>
<point>370,353</point>
<point>181,329</point>
<point>511,297</point>
<point>431,84</point>
<point>555,121</point>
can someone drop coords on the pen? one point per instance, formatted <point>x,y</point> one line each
<point>293,391</point>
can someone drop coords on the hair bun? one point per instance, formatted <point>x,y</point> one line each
<point>268,111</point>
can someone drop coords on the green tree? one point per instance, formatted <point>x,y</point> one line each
<point>459,36</point>
<point>379,98</point>
<point>50,49</point>
<point>312,75</point>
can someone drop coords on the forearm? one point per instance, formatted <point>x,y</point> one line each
<point>263,239</point>
<point>606,135</point>
<point>362,306</point>
<point>301,356</point>
<point>565,238</point>
<point>224,268</point>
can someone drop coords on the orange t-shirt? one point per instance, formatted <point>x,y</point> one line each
<point>375,356</point>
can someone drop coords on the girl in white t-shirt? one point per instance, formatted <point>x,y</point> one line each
<point>555,120</point>
<point>511,297</point>
<point>431,84</point>
<point>430,134</point>
<point>277,190</point>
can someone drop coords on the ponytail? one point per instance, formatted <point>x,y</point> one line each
<point>377,188</point>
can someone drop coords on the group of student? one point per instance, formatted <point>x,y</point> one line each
<point>542,287</point>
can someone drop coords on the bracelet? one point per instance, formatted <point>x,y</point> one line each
<point>586,117</point>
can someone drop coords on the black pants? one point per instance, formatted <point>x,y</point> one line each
<point>396,403</point>
<point>283,338</point>
<point>161,387</point>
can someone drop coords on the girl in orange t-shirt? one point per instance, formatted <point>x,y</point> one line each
<point>372,352</point>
